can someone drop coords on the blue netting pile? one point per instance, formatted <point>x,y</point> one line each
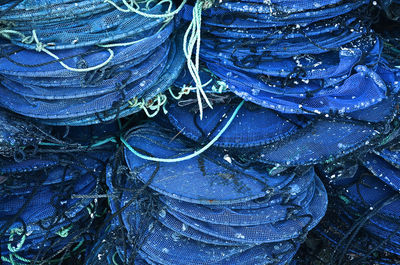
<point>317,67</point>
<point>391,8</point>
<point>49,187</point>
<point>283,105</point>
<point>47,207</point>
<point>318,90</point>
<point>307,60</point>
<point>362,222</point>
<point>86,62</point>
<point>17,135</point>
<point>211,206</point>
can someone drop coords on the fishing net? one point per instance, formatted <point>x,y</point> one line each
<point>48,207</point>
<point>17,134</point>
<point>93,62</point>
<point>51,179</point>
<point>362,220</point>
<point>309,58</point>
<point>273,106</point>
<point>391,8</point>
<point>252,126</point>
<point>274,138</point>
<point>70,24</point>
<point>211,206</point>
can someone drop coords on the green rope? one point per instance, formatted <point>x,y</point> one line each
<point>19,245</point>
<point>64,231</point>
<point>219,86</point>
<point>186,90</point>
<point>113,259</point>
<point>155,105</point>
<point>40,47</point>
<point>12,261</point>
<point>13,255</point>
<point>196,153</point>
<point>13,250</point>
<point>22,258</point>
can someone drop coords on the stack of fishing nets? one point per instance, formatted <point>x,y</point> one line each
<point>319,64</point>
<point>289,95</point>
<point>362,222</point>
<point>48,193</point>
<point>314,71</point>
<point>211,207</point>
<point>85,62</point>
<point>388,26</point>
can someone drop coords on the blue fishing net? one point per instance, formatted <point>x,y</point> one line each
<point>215,208</point>
<point>240,15</point>
<point>218,185</point>
<point>47,206</point>
<point>309,58</point>
<point>286,229</point>
<point>87,106</point>
<point>102,66</point>
<point>252,126</point>
<point>329,139</point>
<point>17,135</point>
<point>76,24</point>
<point>49,185</point>
<point>362,221</point>
<point>287,91</point>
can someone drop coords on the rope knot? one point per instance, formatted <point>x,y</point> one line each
<point>39,47</point>
<point>207,4</point>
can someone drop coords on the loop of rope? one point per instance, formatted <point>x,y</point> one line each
<point>185,90</point>
<point>64,231</point>
<point>19,245</point>
<point>196,153</point>
<point>41,47</point>
<point>154,105</point>
<point>13,250</point>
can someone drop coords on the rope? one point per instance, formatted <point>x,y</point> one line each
<point>64,231</point>
<point>40,47</point>
<point>185,90</point>
<point>191,40</point>
<point>13,250</point>
<point>196,153</point>
<point>19,245</point>
<point>154,105</point>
